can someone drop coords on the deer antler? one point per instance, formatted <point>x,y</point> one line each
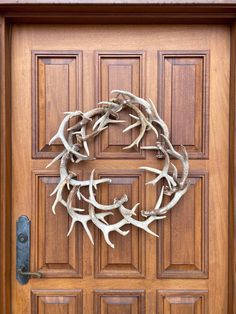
<point>76,149</point>
<point>61,134</point>
<point>93,201</point>
<point>164,173</point>
<point>140,224</point>
<point>83,219</point>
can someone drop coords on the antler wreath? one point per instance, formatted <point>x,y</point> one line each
<point>76,149</point>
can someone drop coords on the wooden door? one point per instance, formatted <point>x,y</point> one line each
<point>185,71</point>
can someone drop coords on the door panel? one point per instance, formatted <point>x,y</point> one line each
<point>56,301</point>
<point>115,302</point>
<point>190,233</point>
<point>58,69</point>
<point>182,302</point>
<point>185,71</point>
<point>126,70</point>
<point>110,263</point>
<point>55,254</point>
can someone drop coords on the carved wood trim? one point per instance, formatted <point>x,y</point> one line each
<point>106,13</point>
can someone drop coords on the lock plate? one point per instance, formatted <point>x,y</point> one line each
<point>22,248</point>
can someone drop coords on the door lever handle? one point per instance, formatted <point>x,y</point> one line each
<point>22,272</point>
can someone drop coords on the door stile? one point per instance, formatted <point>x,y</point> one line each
<point>232,176</point>
<point>5,168</point>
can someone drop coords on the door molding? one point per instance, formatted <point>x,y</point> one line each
<point>123,11</point>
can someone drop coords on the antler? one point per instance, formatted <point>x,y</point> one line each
<point>92,200</point>
<point>76,149</point>
<point>164,173</point>
<point>61,134</point>
<point>149,107</point>
<point>83,219</point>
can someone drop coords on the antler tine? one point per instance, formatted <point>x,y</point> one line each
<point>156,118</point>
<point>103,121</point>
<point>149,108</point>
<point>182,158</point>
<point>93,201</point>
<point>73,182</point>
<point>164,172</point>
<point>60,135</point>
<point>139,138</point>
<point>144,123</point>
<point>134,99</point>
<point>86,118</point>
<point>159,172</point>
<point>56,158</point>
<point>139,224</point>
<point>134,125</point>
<point>106,229</point>
<point>166,208</point>
<point>58,198</point>
<point>112,104</point>
<point>64,152</point>
<point>85,143</point>
<point>83,219</point>
<point>158,204</point>
<point>160,199</point>
<point>82,138</point>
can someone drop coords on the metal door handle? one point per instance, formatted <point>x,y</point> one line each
<point>22,272</point>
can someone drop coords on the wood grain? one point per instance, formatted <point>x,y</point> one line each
<point>182,302</point>
<point>120,301</point>
<point>191,2</point>
<point>5,169</point>
<point>232,166</point>
<point>56,88</point>
<point>26,38</point>
<point>56,254</point>
<point>184,96</point>
<point>123,70</point>
<point>128,259</point>
<point>56,301</point>
<point>183,244</point>
<point>142,13</point>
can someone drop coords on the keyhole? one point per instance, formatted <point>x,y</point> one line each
<point>22,237</point>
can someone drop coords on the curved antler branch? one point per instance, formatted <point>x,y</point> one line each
<point>76,149</point>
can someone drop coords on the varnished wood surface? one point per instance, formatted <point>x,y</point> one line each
<point>145,2</point>
<point>5,171</point>
<point>31,173</point>
<point>232,160</point>
<point>213,3</point>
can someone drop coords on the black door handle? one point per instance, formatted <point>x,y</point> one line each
<point>23,273</point>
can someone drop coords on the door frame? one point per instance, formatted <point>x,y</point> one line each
<point>91,12</point>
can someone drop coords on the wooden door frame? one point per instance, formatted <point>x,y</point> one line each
<point>87,12</point>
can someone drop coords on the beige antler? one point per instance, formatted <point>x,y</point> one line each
<point>76,149</point>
